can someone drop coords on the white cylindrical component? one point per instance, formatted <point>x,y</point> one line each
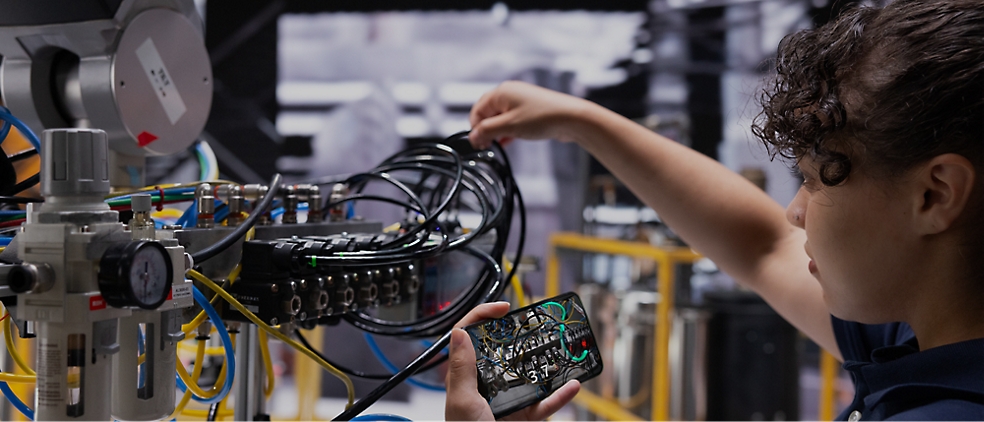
<point>74,169</point>
<point>144,392</point>
<point>65,354</point>
<point>141,202</point>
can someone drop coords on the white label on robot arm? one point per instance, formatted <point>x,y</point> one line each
<point>161,81</point>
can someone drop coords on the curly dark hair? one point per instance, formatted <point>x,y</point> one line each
<point>884,89</point>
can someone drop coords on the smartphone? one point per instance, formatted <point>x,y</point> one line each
<point>528,354</point>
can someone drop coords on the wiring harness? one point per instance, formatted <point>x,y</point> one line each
<point>445,183</point>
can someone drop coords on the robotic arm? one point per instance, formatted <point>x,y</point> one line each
<point>137,69</point>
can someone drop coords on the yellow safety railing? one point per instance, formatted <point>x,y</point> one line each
<point>666,260</point>
<point>307,375</point>
<point>828,375</point>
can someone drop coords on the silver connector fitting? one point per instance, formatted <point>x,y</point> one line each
<point>236,205</point>
<point>30,278</point>
<point>315,213</point>
<point>292,306</point>
<point>290,204</point>
<point>205,200</point>
<point>338,192</point>
<point>254,192</point>
<point>141,225</point>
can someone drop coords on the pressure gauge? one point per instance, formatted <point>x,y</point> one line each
<point>137,273</point>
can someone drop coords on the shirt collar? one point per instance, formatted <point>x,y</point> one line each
<point>957,367</point>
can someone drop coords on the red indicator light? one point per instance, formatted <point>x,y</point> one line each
<point>584,343</point>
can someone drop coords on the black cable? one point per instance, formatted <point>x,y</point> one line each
<point>459,169</point>
<point>438,323</point>
<point>26,184</point>
<point>365,258</point>
<point>19,199</point>
<point>494,186</point>
<point>352,372</point>
<point>300,337</point>
<point>470,183</point>
<point>403,204</point>
<point>395,380</point>
<point>240,231</point>
<point>434,325</point>
<point>22,155</point>
<point>213,411</point>
<point>483,175</point>
<point>376,174</point>
<point>419,362</point>
<point>522,211</point>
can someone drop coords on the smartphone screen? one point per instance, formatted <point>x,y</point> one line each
<point>528,354</point>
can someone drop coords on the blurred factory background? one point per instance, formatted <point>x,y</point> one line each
<point>316,89</point>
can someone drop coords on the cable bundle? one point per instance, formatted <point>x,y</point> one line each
<point>445,181</point>
<point>488,176</point>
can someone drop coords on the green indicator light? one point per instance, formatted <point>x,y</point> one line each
<point>314,261</point>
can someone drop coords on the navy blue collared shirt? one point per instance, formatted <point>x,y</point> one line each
<point>893,380</point>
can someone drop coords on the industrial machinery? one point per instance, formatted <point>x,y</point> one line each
<point>109,292</point>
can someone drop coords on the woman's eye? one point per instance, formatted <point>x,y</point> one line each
<point>811,184</point>
<point>808,181</point>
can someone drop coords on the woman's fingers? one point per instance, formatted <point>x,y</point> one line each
<point>549,405</point>
<point>484,311</point>
<point>464,402</point>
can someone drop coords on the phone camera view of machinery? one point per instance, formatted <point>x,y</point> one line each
<point>533,351</point>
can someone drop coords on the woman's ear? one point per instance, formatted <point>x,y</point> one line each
<point>945,183</point>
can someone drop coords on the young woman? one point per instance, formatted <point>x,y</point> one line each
<point>882,111</point>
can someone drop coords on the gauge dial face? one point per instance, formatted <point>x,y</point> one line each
<point>136,273</point>
<point>149,275</point>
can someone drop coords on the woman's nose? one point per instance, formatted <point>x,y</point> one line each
<point>796,211</point>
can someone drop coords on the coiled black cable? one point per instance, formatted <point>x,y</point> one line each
<point>26,184</point>
<point>18,200</point>
<point>495,179</point>
<point>22,155</point>
<point>427,355</point>
<point>300,337</point>
<point>446,181</point>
